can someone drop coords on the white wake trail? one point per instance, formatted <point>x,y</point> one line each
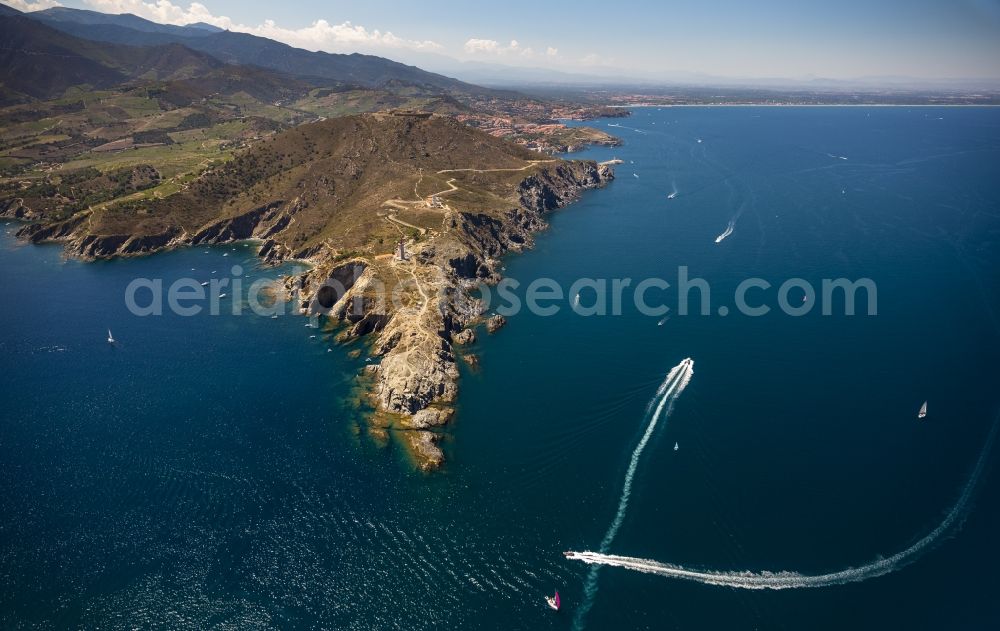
<point>674,383</point>
<point>795,580</point>
<point>728,231</point>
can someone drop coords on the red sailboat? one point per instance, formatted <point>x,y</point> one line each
<point>553,601</point>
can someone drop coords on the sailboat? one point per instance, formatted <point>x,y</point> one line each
<point>111,338</point>
<point>553,601</point>
<point>923,410</point>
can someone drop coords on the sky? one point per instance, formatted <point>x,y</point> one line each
<point>795,39</point>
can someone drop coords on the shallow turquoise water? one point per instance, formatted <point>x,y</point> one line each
<point>208,472</point>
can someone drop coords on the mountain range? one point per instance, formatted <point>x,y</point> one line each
<point>367,71</point>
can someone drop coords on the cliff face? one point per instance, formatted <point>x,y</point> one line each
<point>340,194</point>
<point>15,208</point>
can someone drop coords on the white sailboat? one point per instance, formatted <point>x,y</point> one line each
<point>923,410</point>
<point>111,338</point>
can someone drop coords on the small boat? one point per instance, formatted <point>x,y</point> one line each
<point>676,446</point>
<point>225,254</point>
<point>923,410</point>
<point>205,283</point>
<point>111,340</point>
<point>222,295</point>
<point>635,175</point>
<point>576,300</point>
<point>672,195</point>
<point>274,316</point>
<point>553,601</point>
<point>699,141</point>
<point>662,320</point>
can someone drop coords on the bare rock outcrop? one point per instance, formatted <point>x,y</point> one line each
<point>464,337</point>
<point>495,322</point>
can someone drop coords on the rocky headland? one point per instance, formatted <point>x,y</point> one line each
<point>342,194</point>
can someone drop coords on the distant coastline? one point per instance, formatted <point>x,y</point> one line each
<point>651,105</point>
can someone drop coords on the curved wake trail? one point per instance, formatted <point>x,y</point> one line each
<point>674,383</point>
<point>795,580</point>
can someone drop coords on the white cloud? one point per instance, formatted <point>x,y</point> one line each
<point>493,47</point>
<point>552,52</point>
<point>320,35</point>
<point>34,5</point>
<point>474,46</point>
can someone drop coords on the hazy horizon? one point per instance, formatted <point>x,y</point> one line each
<point>919,43</point>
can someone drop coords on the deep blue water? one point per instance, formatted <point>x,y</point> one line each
<point>211,471</point>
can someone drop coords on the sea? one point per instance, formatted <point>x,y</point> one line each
<point>216,471</point>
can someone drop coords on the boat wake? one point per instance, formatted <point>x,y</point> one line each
<point>732,223</point>
<point>795,580</point>
<point>628,128</point>
<point>659,406</point>
<point>728,231</point>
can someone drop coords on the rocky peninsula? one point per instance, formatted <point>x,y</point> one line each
<point>400,216</point>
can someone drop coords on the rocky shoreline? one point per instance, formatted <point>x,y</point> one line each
<point>414,379</point>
